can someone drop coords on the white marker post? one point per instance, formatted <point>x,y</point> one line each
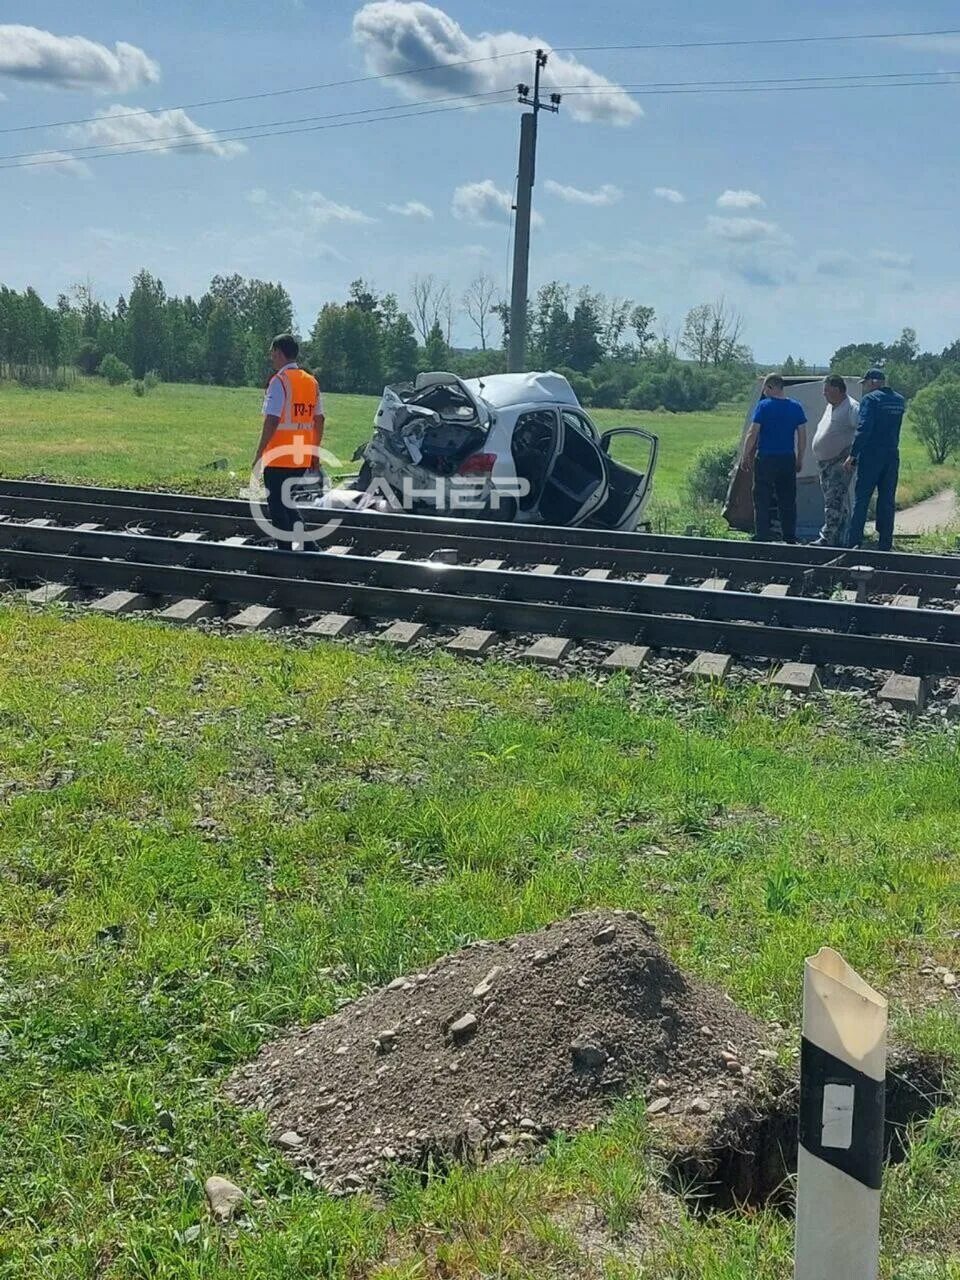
<point>840,1160</point>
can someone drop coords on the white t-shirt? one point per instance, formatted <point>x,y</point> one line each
<point>836,429</point>
<point>273,400</point>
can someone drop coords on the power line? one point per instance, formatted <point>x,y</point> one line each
<point>212,135</point>
<point>896,79</point>
<point>270,93</point>
<point>587,90</point>
<point>499,97</point>
<point>270,133</point>
<point>840,75</point>
<point>749,44</point>
<point>468,62</point>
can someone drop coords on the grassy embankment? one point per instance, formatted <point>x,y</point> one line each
<point>205,840</point>
<point>100,434</point>
<point>106,435</point>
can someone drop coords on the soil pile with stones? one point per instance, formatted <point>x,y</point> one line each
<point>501,1045</point>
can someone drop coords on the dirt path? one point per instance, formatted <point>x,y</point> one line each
<point>938,512</point>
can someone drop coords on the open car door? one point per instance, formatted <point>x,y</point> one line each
<point>629,476</point>
<point>575,482</point>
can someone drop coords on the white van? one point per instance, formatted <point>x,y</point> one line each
<point>738,511</point>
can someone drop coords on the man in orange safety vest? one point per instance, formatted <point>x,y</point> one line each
<point>292,431</point>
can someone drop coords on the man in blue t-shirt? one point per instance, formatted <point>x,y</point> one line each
<point>774,448</point>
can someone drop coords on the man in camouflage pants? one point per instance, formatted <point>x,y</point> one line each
<point>831,448</point>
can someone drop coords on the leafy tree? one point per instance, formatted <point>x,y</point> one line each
<point>906,348</point>
<point>400,350</point>
<point>695,339</point>
<point>220,350</point>
<point>641,321</point>
<point>615,319</point>
<point>362,295</point>
<point>934,415</point>
<point>88,356</point>
<point>709,476</point>
<point>549,329</point>
<point>435,350</point>
<point>266,311</point>
<point>144,323</point>
<point>114,370</point>
<point>583,345</point>
<point>856,357</point>
<point>344,350</point>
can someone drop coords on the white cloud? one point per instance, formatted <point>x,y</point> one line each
<point>320,210</point>
<point>740,200</point>
<point>159,131</point>
<point>607,194</point>
<point>483,203</point>
<point>895,261</point>
<point>670,194</point>
<point>744,230</point>
<point>296,220</point>
<point>73,62</point>
<point>56,162</point>
<point>412,209</point>
<point>398,37</point>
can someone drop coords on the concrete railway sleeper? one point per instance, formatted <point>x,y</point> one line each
<point>927,577</point>
<point>498,585</point>
<point>912,657</point>
<point>947,566</point>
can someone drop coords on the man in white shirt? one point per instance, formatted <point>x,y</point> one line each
<point>831,448</point>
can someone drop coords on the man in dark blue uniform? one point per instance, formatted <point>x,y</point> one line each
<point>875,453</point>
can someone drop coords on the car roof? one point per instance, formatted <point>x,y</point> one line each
<point>504,390</point>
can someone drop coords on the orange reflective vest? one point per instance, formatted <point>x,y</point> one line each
<point>296,440</point>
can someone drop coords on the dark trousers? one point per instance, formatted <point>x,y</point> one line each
<point>283,517</point>
<point>775,477</point>
<point>880,473</point>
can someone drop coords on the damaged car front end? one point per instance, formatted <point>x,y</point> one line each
<point>507,447</point>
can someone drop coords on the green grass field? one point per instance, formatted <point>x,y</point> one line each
<point>206,840</point>
<point>106,435</point>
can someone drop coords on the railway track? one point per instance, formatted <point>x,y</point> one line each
<point>188,557</point>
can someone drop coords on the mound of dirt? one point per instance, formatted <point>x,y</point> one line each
<point>502,1045</point>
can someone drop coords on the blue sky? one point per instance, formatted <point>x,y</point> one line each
<point>839,221</point>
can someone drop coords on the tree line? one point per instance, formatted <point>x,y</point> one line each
<point>221,338</point>
<point>609,347</point>
<point>929,380</point>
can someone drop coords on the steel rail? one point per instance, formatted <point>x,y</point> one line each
<point>724,558</point>
<point>899,562</point>
<point>845,618</point>
<point>919,657</point>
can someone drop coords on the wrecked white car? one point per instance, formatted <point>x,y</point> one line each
<point>508,447</point>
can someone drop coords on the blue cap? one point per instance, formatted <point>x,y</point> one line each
<point>874,375</point>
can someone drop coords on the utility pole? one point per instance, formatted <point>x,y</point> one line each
<point>526,176</point>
